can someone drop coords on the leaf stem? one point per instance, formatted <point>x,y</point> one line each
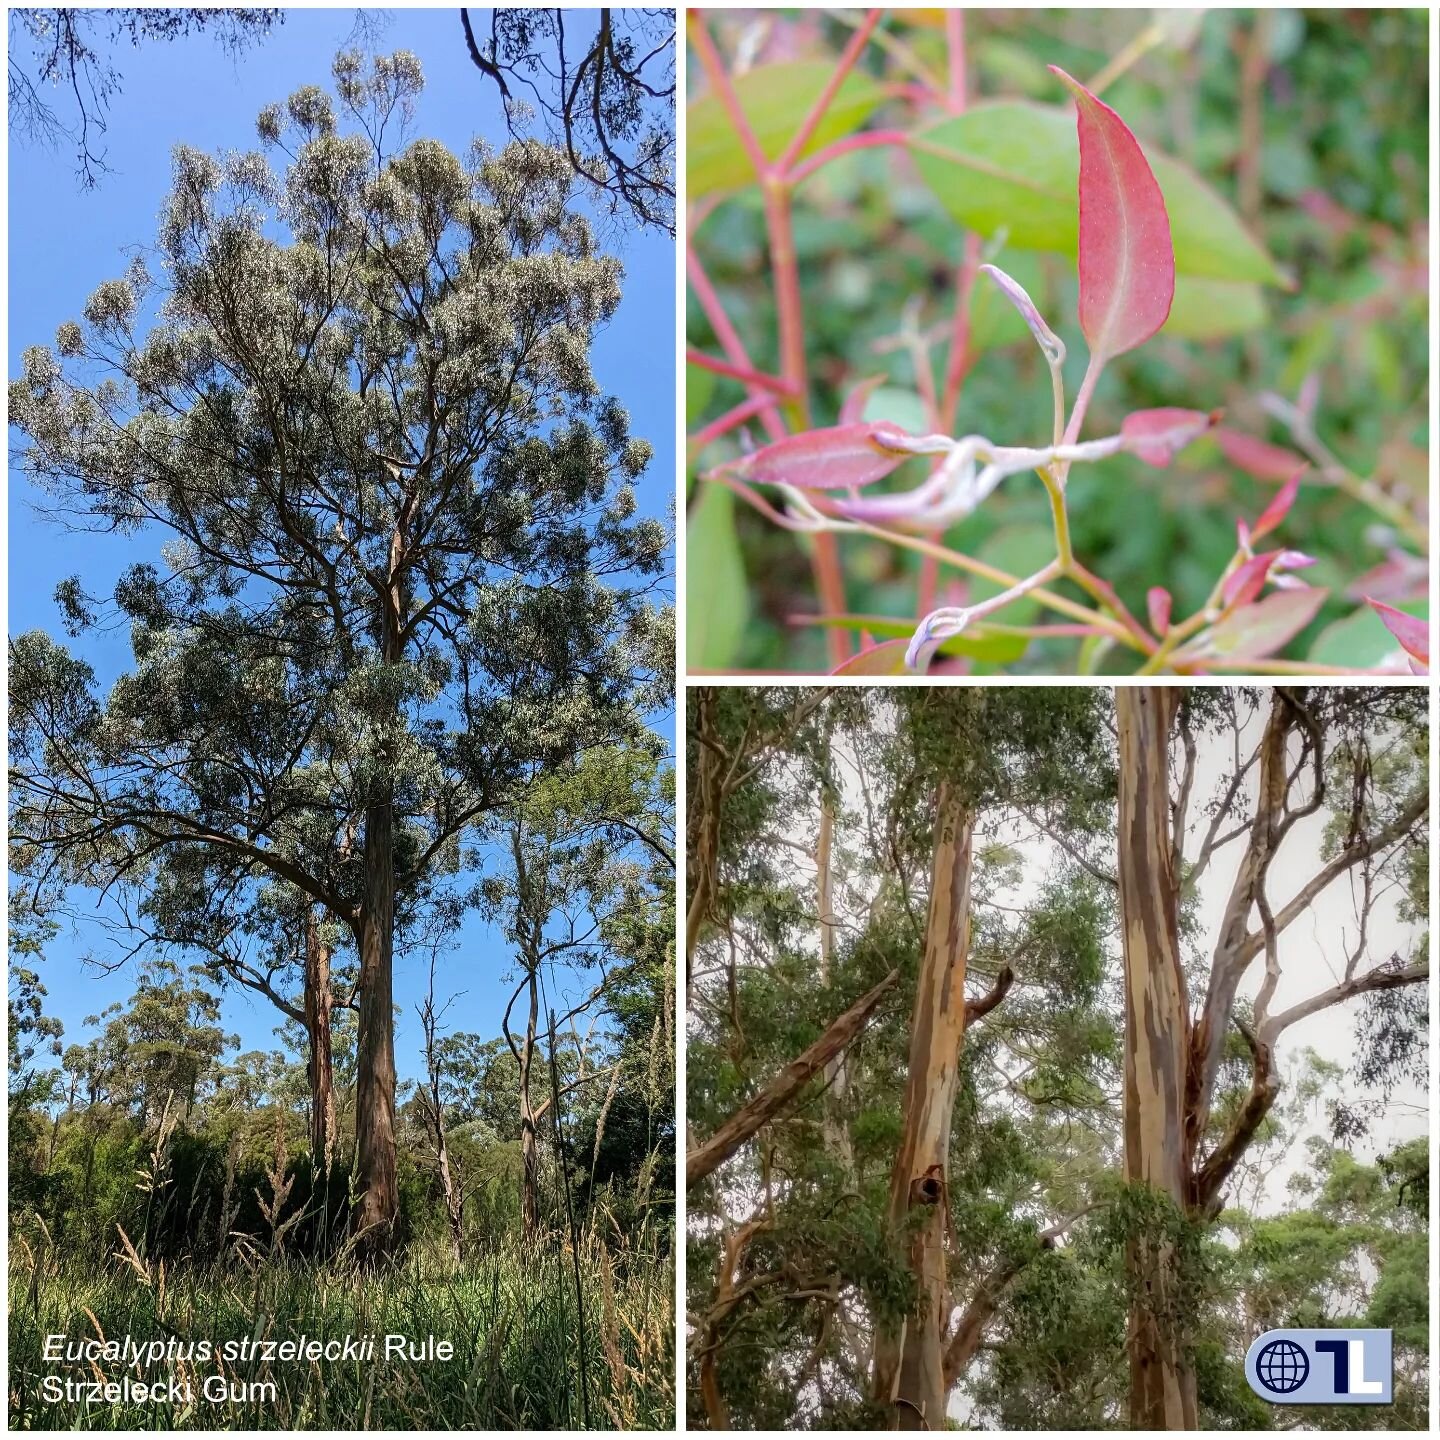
<point>846,63</point>
<point>973,566</point>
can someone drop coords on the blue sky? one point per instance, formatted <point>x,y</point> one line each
<point>63,242</point>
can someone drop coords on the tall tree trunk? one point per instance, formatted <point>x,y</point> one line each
<point>703,823</point>
<point>379,1204</point>
<point>320,1068</point>
<point>1162,1384</point>
<point>836,1132</point>
<point>379,1200</point>
<point>909,1360</point>
<point>529,1153</point>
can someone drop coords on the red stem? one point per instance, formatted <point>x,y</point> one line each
<point>742,412</point>
<point>843,67</point>
<point>725,332</point>
<point>754,378</point>
<point>849,144</point>
<point>955,35</point>
<point>719,80</point>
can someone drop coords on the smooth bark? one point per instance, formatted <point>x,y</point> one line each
<point>909,1371</point>
<point>1162,1384</point>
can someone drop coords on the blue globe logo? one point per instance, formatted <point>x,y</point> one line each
<point>1283,1367</point>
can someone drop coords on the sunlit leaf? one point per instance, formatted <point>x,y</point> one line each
<point>1213,309</point>
<point>1278,508</point>
<point>775,99</point>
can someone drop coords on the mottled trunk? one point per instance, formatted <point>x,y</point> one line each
<point>529,1153</point>
<point>320,1067</point>
<point>909,1373</point>
<point>1162,1384</point>
<point>378,1203</point>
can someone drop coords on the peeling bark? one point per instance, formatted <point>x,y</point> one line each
<point>909,1370</point>
<point>1162,1384</point>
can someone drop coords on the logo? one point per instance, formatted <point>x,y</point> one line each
<point>1321,1367</point>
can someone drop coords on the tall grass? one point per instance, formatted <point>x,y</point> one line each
<point>509,1313</point>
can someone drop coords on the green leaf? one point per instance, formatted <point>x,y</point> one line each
<point>719,602</point>
<point>1015,166</point>
<point>887,658</point>
<point>1359,641</point>
<point>978,643</point>
<point>1214,309</point>
<point>699,387</point>
<point>1021,550</point>
<point>775,99</point>
<point>900,407</point>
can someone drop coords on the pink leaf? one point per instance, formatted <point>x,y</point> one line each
<point>1127,261</point>
<point>1155,435</point>
<point>1279,507</point>
<point>1412,632</point>
<point>1158,602</point>
<point>838,458</point>
<point>886,658</point>
<point>1400,576</point>
<point>1249,580</point>
<point>1258,457</point>
<point>1254,631</point>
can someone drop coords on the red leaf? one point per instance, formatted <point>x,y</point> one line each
<point>1412,632</point>
<point>1279,507</point>
<point>1249,580</point>
<point>1158,602</point>
<point>1155,435</point>
<point>1127,261</point>
<point>1258,457</point>
<point>886,658</point>
<point>838,458</point>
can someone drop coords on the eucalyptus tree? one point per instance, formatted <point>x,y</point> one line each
<point>1355,760</point>
<point>403,573</point>
<point>878,1228</point>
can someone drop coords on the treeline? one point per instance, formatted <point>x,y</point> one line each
<point>155,1133</point>
<point>385,573</point>
<point>990,1116</point>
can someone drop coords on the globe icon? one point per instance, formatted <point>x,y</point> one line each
<point>1282,1366</point>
